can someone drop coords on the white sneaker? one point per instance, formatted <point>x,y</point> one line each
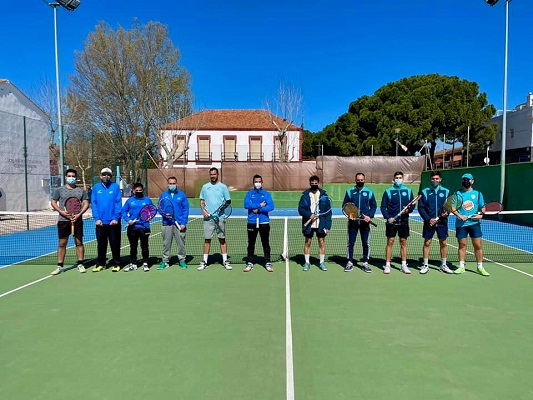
<point>424,270</point>
<point>146,268</point>
<point>268,267</point>
<point>131,267</point>
<point>203,265</point>
<point>81,268</point>
<point>406,270</point>
<point>226,264</point>
<point>444,268</point>
<point>249,267</point>
<point>57,271</point>
<point>386,269</point>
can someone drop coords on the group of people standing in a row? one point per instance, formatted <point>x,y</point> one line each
<point>107,210</point>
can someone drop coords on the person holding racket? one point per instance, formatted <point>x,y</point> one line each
<point>173,206</point>
<point>397,202</point>
<point>259,203</point>
<point>468,223</point>
<point>315,209</point>
<point>214,198</point>
<point>137,212</point>
<point>70,221</point>
<point>106,204</point>
<point>365,201</point>
<point>431,208</point>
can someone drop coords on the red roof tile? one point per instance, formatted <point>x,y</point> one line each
<point>224,120</point>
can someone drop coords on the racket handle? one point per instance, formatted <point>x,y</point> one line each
<point>72,228</point>
<point>257,222</point>
<point>177,225</point>
<point>372,223</point>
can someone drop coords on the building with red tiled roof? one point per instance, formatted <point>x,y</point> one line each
<point>213,136</point>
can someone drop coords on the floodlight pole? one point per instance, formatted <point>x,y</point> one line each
<point>61,165</point>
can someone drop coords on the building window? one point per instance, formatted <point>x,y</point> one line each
<point>204,149</point>
<point>255,153</point>
<point>230,152</point>
<point>179,142</point>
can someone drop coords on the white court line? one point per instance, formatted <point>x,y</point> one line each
<point>46,277</point>
<point>24,286</point>
<point>288,334</point>
<point>485,258</point>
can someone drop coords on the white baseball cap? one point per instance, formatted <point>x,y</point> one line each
<point>104,170</point>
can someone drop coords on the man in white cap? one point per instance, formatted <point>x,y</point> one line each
<point>106,201</point>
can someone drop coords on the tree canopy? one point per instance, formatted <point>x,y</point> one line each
<point>128,83</point>
<point>414,109</point>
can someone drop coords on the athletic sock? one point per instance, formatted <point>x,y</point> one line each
<point>205,257</point>
<point>306,256</point>
<point>443,261</point>
<point>480,265</point>
<point>60,264</point>
<point>322,258</point>
<point>224,257</point>
<point>404,263</point>
<point>426,261</point>
<point>461,264</point>
<point>387,264</point>
<point>80,262</point>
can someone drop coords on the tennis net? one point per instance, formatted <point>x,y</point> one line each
<point>31,238</point>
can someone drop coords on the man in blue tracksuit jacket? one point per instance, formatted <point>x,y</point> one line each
<point>365,200</point>
<point>174,227</point>
<point>259,203</point>
<point>137,231</point>
<point>394,200</point>
<point>106,203</point>
<point>315,200</point>
<point>430,208</point>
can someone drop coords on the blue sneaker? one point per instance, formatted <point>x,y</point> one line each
<point>323,267</point>
<point>306,267</point>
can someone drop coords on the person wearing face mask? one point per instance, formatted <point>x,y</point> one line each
<point>393,202</point>
<point>430,208</point>
<point>365,200</point>
<point>64,220</point>
<point>137,231</point>
<point>319,225</point>
<point>259,203</point>
<point>106,201</point>
<point>174,227</point>
<point>468,223</point>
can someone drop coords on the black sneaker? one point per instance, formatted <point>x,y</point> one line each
<point>348,267</point>
<point>366,268</point>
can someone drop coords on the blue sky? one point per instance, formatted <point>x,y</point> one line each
<point>335,51</point>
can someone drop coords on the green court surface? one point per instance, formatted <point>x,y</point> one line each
<point>219,334</point>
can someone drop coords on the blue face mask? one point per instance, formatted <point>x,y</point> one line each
<point>172,188</point>
<point>71,180</point>
<point>398,182</point>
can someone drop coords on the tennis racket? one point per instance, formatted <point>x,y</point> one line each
<point>452,203</point>
<point>166,209</point>
<point>72,207</point>
<point>351,211</point>
<point>146,214</point>
<point>326,205</point>
<point>491,208</point>
<point>222,212</point>
<point>407,206</point>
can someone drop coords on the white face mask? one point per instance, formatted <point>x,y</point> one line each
<point>398,182</point>
<point>257,185</point>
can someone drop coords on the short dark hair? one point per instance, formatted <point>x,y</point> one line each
<point>398,173</point>
<point>359,173</point>
<point>436,173</point>
<point>257,176</point>
<point>71,171</point>
<point>171,177</point>
<point>213,169</point>
<point>314,178</point>
<point>138,185</point>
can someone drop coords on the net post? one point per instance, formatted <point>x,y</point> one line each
<point>285,254</point>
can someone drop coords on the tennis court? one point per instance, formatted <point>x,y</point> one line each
<point>220,334</point>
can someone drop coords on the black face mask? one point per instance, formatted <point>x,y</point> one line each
<point>359,184</point>
<point>314,188</point>
<point>139,195</point>
<point>467,184</point>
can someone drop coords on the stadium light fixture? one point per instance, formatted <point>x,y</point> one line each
<point>69,5</point>
<point>504,116</point>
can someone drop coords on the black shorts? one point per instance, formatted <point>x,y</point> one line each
<point>428,231</point>
<point>313,231</point>
<point>64,229</point>
<point>402,230</point>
